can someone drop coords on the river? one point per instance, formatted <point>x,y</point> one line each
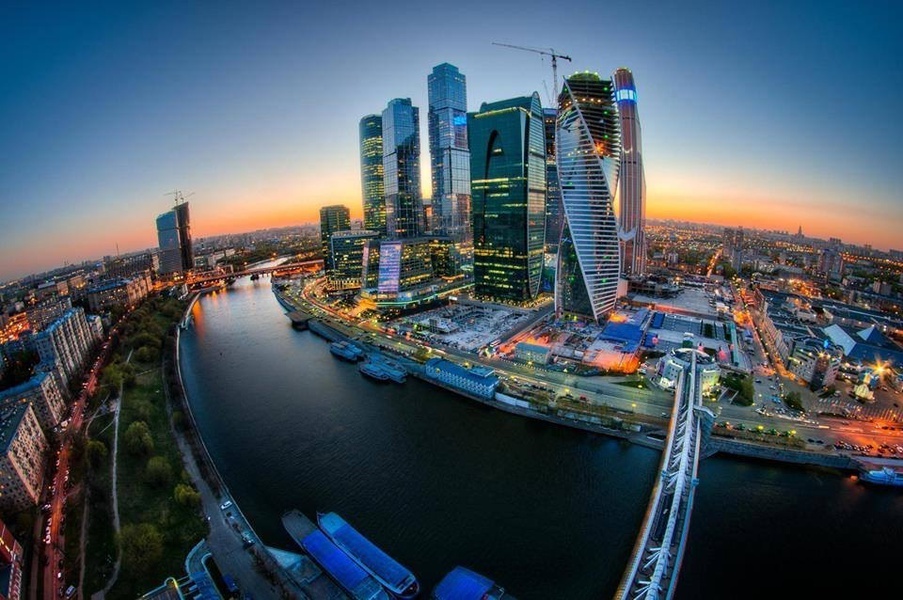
<point>548,512</point>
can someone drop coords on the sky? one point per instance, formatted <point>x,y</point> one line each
<point>758,114</point>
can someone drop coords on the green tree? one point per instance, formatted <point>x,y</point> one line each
<point>142,547</point>
<point>158,471</point>
<point>138,439</point>
<point>187,495</point>
<point>794,400</point>
<point>147,354</point>
<point>97,452</point>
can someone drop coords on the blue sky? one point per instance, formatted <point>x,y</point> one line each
<point>755,114</point>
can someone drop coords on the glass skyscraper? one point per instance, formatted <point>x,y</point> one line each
<point>449,152</point>
<point>372,184</point>
<point>401,169</point>
<point>508,167</point>
<point>588,154</point>
<point>632,179</point>
<point>174,240</point>
<point>553,192</point>
<point>333,218</point>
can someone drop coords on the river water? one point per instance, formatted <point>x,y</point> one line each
<point>548,512</point>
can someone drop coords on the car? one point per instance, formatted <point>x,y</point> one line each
<point>226,505</point>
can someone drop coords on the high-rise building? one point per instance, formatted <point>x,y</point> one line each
<point>174,239</point>
<point>11,565</point>
<point>372,184</point>
<point>42,392</point>
<point>449,152</point>
<point>508,170</point>
<point>632,178</point>
<point>22,449</point>
<point>732,240</point>
<point>588,153</point>
<point>554,211</point>
<point>333,218</point>
<point>401,169</point>
<point>67,341</point>
<point>346,252</point>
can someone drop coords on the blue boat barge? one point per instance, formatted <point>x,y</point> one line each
<point>346,351</point>
<point>464,584</point>
<point>353,579</point>
<point>394,577</point>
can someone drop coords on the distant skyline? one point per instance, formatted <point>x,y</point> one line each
<point>761,115</point>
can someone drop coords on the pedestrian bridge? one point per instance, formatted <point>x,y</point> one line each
<point>652,571</point>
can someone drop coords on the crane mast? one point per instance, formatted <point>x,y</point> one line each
<point>544,52</point>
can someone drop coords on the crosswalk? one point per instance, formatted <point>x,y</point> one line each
<point>854,409</point>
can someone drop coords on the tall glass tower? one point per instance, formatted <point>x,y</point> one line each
<point>632,193</point>
<point>333,219</point>
<point>553,192</point>
<point>174,240</point>
<point>401,169</point>
<point>588,154</point>
<point>372,184</point>
<point>508,166</point>
<point>449,152</point>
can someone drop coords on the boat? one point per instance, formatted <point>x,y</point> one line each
<point>885,476</point>
<point>346,351</point>
<point>394,577</point>
<point>395,371</point>
<point>463,584</point>
<point>347,573</point>
<point>374,371</point>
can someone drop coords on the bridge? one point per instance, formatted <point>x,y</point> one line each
<point>277,270</point>
<point>653,568</point>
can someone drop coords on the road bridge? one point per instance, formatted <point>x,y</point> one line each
<point>654,565</point>
<point>283,269</point>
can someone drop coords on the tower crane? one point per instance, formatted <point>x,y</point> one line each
<point>178,197</point>
<point>545,52</point>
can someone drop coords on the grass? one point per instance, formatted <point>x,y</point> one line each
<point>100,548</point>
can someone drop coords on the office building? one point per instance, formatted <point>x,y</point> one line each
<point>332,219</point>
<point>508,170</point>
<point>372,184</point>
<point>174,239</point>
<point>401,169</point>
<point>449,152</point>
<point>554,210</point>
<point>588,153</point>
<point>346,252</point>
<point>22,449</point>
<point>631,178</point>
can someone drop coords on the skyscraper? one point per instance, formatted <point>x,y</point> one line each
<point>553,192</point>
<point>507,164</point>
<point>332,219</point>
<point>588,154</point>
<point>372,184</point>
<point>632,178</point>
<point>174,239</point>
<point>401,169</point>
<point>449,151</point>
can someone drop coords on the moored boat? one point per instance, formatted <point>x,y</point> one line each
<point>885,476</point>
<point>346,351</point>
<point>393,576</point>
<point>395,371</point>
<point>373,371</point>
<point>463,584</point>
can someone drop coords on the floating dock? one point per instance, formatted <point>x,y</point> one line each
<point>299,319</point>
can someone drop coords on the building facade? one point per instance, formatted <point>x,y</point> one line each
<point>401,169</point>
<point>508,170</point>
<point>22,449</point>
<point>732,244</point>
<point>42,392</point>
<point>449,152</point>
<point>346,254</point>
<point>479,381</point>
<point>631,178</point>
<point>372,184</point>
<point>554,210</point>
<point>67,341</point>
<point>174,240</point>
<point>333,218</point>
<point>588,154</point>
<point>119,292</point>
<point>11,565</point>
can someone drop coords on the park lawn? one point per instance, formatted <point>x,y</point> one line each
<point>100,546</point>
<point>143,502</point>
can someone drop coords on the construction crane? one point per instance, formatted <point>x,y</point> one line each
<point>545,52</point>
<point>178,198</point>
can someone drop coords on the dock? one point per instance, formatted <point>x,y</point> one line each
<point>299,319</point>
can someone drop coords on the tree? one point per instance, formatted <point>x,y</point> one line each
<point>142,547</point>
<point>794,400</point>
<point>187,495</point>
<point>158,471</point>
<point>97,452</point>
<point>138,439</point>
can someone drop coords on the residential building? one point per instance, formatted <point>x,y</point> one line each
<point>346,255</point>
<point>508,170</point>
<point>44,395</point>
<point>589,154</point>
<point>22,449</point>
<point>449,152</point>
<point>332,219</point>
<point>631,179</point>
<point>401,169</point>
<point>127,293</point>
<point>732,241</point>
<point>11,564</point>
<point>68,341</point>
<point>372,184</point>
